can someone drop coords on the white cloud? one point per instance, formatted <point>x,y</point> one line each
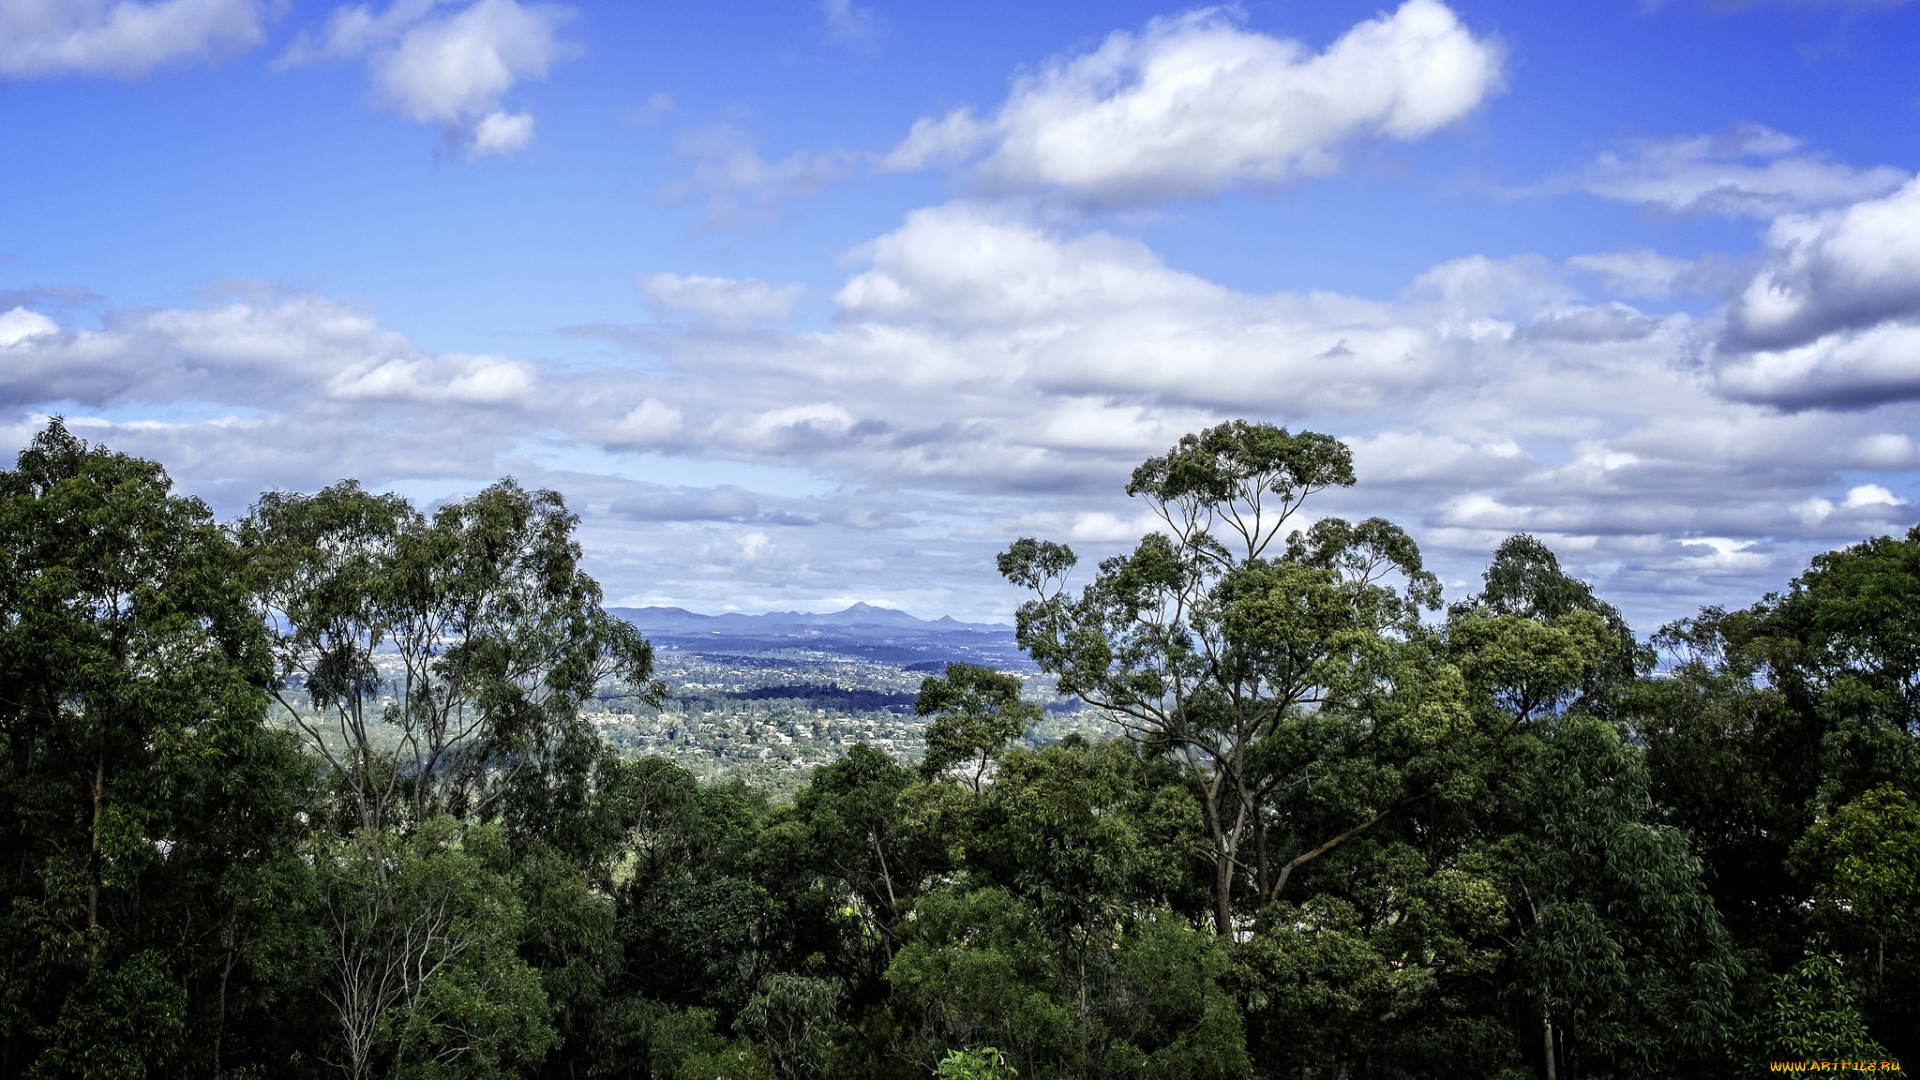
<point>1885,451</point>
<point>1425,459</point>
<point>1194,105</point>
<point>724,300</point>
<point>1841,270</point>
<point>649,424</point>
<point>1866,504</point>
<point>1723,553</point>
<point>984,376</point>
<point>256,352</point>
<point>978,297</point>
<point>1850,369</point>
<point>1022,365</point>
<point>453,69</point>
<point>1745,171</point>
<point>123,38</point>
<point>1871,495</point>
<point>20,325</point>
<point>485,380</point>
<point>1100,526</point>
<point>501,133</point>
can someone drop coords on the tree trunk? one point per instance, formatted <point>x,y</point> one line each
<point>1223,893</point>
<point>1546,1039</point>
<point>226,969</point>
<point>1260,847</point>
<point>1222,860</point>
<point>93,861</point>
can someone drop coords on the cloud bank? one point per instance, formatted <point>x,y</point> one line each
<point>1681,429</point>
<point>984,375</point>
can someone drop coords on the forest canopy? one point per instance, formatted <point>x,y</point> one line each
<point>311,793</point>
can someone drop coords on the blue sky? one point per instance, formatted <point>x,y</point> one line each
<point>807,303</point>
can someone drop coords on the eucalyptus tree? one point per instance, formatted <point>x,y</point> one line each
<point>1269,662</point>
<point>1786,740</point>
<point>1618,958</point>
<point>976,711</point>
<point>1060,939</point>
<point>437,663</point>
<point>1617,948</point>
<point>1844,642</point>
<point>144,808</point>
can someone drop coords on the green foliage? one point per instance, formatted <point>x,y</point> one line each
<point>425,977</point>
<point>795,1017</point>
<point>1261,667</point>
<point>1059,947</point>
<point>145,812</point>
<point>1812,1016</point>
<point>686,1047</point>
<point>121,1023</point>
<point>1525,581</point>
<point>496,638</point>
<point>1735,765</point>
<point>1786,743</point>
<point>1866,859</point>
<point>1618,942</point>
<point>984,1063</point>
<point>978,967</point>
<point>976,712</point>
<point>1340,841</point>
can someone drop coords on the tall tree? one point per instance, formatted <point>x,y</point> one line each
<point>438,665</point>
<point>1786,726</point>
<point>1264,661</point>
<point>1058,942</point>
<point>140,798</point>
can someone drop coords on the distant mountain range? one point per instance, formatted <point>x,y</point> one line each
<point>863,630</point>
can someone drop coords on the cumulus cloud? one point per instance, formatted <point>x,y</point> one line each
<point>1745,171</point>
<point>501,133</point>
<point>1840,270</point>
<point>1021,365</point>
<point>1195,104</point>
<point>485,380</point>
<point>985,376</point>
<point>983,299</point>
<point>123,38</point>
<point>452,68</point>
<point>19,326</point>
<point>1844,370</point>
<point>251,352</point>
<point>1868,506</point>
<point>723,300</point>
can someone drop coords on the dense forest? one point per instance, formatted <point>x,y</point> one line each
<point>311,793</point>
